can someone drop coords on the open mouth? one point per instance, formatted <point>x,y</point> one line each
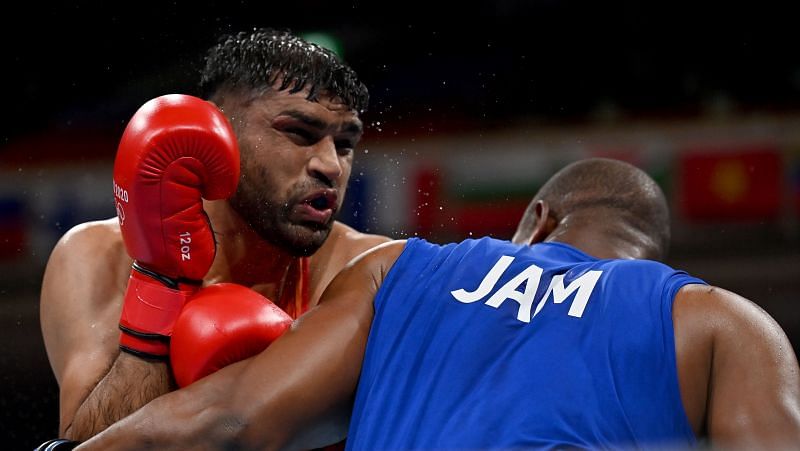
<point>317,209</point>
<point>319,203</point>
<point>322,200</point>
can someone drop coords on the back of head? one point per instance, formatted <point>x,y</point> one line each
<point>258,60</point>
<point>611,197</point>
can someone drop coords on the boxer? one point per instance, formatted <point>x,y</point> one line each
<point>192,213</point>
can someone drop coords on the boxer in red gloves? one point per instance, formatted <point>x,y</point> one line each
<point>175,151</point>
<point>224,323</point>
<point>184,222</point>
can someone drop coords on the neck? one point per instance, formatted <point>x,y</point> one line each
<point>601,238</point>
<point>243,257</point>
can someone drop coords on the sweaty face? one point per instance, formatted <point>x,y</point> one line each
<point>296,157</point>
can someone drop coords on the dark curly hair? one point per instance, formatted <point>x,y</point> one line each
<point>256,60</point>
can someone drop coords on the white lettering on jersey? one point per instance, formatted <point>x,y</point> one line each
<point>583,284</point>
<point>531,277</point>
<point>487,284</point>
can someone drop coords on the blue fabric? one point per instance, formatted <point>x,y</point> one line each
<point>484,372</point>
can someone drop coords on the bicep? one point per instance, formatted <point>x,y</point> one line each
<point>754,392</point>
<point>78,327</point>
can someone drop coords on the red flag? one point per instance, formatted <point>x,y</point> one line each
<point>498,219</point>
<point>744,184</point>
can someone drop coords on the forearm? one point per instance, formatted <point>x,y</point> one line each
<point>300,389</point>
<point>130,383</point>
<point>195,417</point>
<point>293,394</point>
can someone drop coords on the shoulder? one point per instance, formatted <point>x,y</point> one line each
<point>719,331</point>
<point>95,238</point>
<point>90,248</point>
<point>345,243</point>
<point>720,311</point>
<point>380,257</point>
<point>358,241</point>
<point>365,273</point>
<point>81,296</point>
<point>729,327</point>
<point>721,304</point>
<point>736,363</point>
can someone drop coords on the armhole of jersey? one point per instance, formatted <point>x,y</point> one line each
<point>675,282</point>
<point>389,280</point>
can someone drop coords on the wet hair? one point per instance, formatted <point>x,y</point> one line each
<point>609,190</point>
<point>257,60</point>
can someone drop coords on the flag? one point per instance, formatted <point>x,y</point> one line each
<point>742,184</point>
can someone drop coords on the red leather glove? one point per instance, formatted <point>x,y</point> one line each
<point>176,150</point>
<point>220,325</point>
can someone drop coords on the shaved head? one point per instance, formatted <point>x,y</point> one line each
<point>610,195</point>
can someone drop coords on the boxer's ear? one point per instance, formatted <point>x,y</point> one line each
<point>545,223</point>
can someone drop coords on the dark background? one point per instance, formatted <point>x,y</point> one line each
<point>89,65</point>
<point>86,61</point>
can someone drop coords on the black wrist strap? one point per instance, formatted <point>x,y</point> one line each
<point>167,281</point>
<point>144,355</point>
<point>170,283</point>
<point>144,335</point>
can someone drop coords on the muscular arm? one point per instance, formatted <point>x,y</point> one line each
<point>296,394</point>
<point>80,308</point>
<point>739,374</point>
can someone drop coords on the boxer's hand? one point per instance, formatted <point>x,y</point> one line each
<point>220,325</point>
<point>176,150</point>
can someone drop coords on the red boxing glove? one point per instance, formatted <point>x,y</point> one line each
<point>175,150</point>
<point>220,325</point>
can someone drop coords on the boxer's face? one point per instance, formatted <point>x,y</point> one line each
<point>296,159</point>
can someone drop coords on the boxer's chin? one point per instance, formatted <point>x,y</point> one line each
<point>282,226</point>
<point>302,239</point>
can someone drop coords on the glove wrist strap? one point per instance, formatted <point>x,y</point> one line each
<point>149,312</point>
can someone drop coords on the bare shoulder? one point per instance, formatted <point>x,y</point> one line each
<point>343,244</point>
<point>738,372</point>
<point>713,315</point>
<point>720,311</point>
<point>91,236</point>
<point>81,298</point>
<point>361,278</point>
<point>91,247</point>
<point>380,257</point>
<point>355,240</point>
<point>88,267</point>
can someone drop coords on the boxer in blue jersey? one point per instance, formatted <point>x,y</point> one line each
<point>573,336</point>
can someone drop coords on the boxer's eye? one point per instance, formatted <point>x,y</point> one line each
<point>301,134</point>
<point>344,147</point>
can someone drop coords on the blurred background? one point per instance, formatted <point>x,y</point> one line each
<point>473,107</point>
